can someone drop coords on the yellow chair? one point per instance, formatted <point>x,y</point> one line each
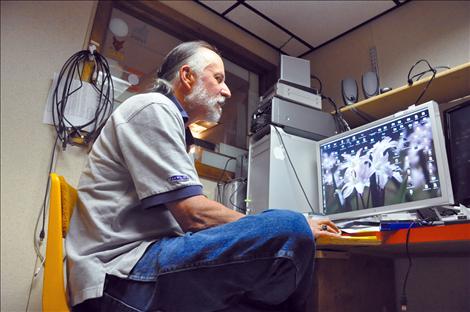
<point>62,200</point>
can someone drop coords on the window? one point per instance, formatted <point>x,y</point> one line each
<point>135,37</point>
<point>135,50</point>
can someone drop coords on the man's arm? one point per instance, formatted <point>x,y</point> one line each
<point>197,213</point>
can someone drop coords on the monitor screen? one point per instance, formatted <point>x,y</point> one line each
<point>458,150</point>
<point>396,163</point>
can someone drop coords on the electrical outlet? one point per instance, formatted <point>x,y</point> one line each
<point>374,64</point>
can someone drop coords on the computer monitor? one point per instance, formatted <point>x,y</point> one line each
<point>458,149</point>
<point>393,164</point>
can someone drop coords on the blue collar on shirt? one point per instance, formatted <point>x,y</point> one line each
<point>188,135</point>
<point>184,114</point>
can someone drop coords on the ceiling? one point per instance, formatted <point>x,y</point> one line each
<point>297,28</point>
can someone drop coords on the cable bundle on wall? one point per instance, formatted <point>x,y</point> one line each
<point>86,66</point>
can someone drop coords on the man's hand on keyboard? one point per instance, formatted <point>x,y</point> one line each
<point>323,227</point>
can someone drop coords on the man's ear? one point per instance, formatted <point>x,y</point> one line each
<point>187,77</point>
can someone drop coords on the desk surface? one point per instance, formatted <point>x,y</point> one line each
<point>428,234</point>
<point>439,240</point>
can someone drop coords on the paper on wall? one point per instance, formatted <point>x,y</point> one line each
<point>81,104</point>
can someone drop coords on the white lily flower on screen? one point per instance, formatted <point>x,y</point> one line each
<point>353,162</point>
<point>380,163</point>
<point>327,161</point>
<point>327,177</point>
<point>419,139</point>
<point>384,170</point>
<point>413,157</point>
<point>340,196</point>
<point>401,143</point>
<point>417,177</point>
<point>357,179</point>
<point>383,145</point>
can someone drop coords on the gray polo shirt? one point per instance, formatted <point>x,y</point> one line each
<point>138,163</point>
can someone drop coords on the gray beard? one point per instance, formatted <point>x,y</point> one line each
<point>200,97</point>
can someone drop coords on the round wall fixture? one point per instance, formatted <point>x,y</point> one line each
<point>118,27</point>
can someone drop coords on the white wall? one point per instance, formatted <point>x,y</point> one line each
<point>37,37</point>
<point>438,31</point>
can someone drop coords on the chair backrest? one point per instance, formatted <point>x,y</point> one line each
<point>62,200</point>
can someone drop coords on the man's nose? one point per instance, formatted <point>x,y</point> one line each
<point>225,92</point>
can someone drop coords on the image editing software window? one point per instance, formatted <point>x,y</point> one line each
<point>390,163</point>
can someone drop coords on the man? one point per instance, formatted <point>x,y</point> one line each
<point>144,238</point>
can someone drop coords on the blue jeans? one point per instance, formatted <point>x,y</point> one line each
<point>262,262</point>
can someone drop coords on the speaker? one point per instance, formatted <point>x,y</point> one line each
<point>349,91</point>
<point>370,84</point>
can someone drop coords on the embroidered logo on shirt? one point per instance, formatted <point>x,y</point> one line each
<point>178,178</point>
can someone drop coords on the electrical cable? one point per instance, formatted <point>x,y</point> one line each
<point>340,123</point>
<point>31,284</point>
<point>293,168</point>
<point>409,80</point>
<point>101,82</point>
<point>433,70</point>
<point>403,299</point>
<point>418,76</point>
<point>219,180</point>
<point>42,234</point>
<point>366,117</point>
<point>37,241</point>
<point>242,183</point>
<point>320,89</point>
<point>425,88</point>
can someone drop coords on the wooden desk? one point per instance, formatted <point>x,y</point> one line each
<point>424,241</point>
<point>428,234</point>
<point>351,277</point>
